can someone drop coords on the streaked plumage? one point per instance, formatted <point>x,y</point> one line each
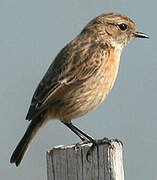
<point>80,77</point>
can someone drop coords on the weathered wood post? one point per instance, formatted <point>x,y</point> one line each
<point>69,162</point>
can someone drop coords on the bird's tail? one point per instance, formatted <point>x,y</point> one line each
<point>21,148</point>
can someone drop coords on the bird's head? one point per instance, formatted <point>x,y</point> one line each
<point>115,29</point>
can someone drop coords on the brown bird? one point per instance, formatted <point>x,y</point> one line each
<point>80,77</point>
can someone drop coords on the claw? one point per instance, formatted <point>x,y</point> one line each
<point>95,144</point>
<point>77,146</point>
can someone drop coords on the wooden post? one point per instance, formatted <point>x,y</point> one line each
<point>69,162</point>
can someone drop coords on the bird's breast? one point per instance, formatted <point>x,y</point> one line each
<point>106,76</point>
<point>79,100</point>
<point>110,69</point>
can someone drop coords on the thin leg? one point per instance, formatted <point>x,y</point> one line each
<point>82,135</point>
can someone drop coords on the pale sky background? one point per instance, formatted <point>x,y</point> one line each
<point>32,32</point>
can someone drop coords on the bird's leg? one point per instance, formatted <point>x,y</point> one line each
<point>78,132</point>
<point>95,143</point>
<point>85,137</point>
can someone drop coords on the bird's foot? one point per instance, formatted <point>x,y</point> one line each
<point>95,143</point>
<point>78,145</point>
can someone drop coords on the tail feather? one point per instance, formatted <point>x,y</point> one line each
<point>21,148</point>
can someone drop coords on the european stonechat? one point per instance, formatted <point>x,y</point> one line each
<point>80,77</point>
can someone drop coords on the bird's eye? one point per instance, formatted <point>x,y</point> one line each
<point>122,26</point>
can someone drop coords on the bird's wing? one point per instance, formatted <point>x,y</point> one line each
<point>75,62</point>
<point>49,83</point>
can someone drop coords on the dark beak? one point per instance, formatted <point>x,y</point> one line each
<point>141,35</point>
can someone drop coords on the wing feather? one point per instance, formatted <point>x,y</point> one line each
<point>75,62</point>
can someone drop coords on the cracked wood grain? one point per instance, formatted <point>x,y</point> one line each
<point>69,162</point>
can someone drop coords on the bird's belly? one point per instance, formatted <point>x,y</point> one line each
<point>78,99</point>
<point>85,98</point>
